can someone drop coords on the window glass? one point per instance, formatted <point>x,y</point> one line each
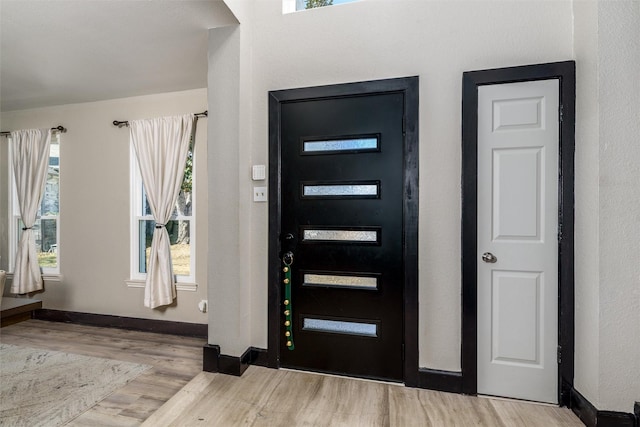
<point>289,6</point>
<point>340,190</point>
<point>340,281</point>
<point>45,229</point>
<point>340,235</point>
<point>179,235</point>
<point>333,145</point>
<point>180,227</point>
<point>340,327</point>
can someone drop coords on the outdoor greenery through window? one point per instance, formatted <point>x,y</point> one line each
<point>289,6</point>
<point>45,229</point>
<point>310,4</point>
<point>180,227</point>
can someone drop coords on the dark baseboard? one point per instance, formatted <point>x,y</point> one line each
<point>213,361</point>
<point>566,389</point>
<point>615,419</point>
<point>197,330</point>
<point>433,379</point>
<point>259,357</point>
<point>592,417</point>
<point>580,406</point>
<point>210,357</point>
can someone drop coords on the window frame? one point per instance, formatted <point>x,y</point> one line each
<point>14,219</point>
<point>136,208</point>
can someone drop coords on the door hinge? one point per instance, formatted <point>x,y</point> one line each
<point>559,234</point>
<point>403,352</point>
<point>559,355</point>
<point>561,112</point>
<point>404,125</point>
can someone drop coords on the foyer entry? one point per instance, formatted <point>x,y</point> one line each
<point>343,228</point>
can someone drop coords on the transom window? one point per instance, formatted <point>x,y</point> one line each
<point>289,6</point>
<point>46,228</point>
<point>181,227</point>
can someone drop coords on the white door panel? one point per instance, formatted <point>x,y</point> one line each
<point>518,146</point>
<point>516,325</point>
<point>516,209</point>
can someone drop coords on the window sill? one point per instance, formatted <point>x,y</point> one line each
<point>189,287</point>
<point>48,277</point>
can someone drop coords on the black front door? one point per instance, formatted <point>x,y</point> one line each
<point>341,234</point>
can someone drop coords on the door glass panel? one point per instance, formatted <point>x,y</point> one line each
<point>340,327</point>
<point>356,144</point>
<point>335,281</point>
<point>341,235</point>
<point>344,190</point>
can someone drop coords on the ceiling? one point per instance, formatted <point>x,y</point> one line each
<point>55,52</point>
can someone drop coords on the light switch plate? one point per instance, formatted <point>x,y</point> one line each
<point>259,194</point>
<point>258,172</point>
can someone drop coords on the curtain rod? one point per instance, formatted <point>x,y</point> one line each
<point>60,129</point>
<point>126,123</point>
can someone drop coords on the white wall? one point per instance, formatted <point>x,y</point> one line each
<point>607,52</point>
<point>587,200</point>
<point>94,203</point>
<point>619,226</point>
<point>229,212</point>
<point>436,40</point>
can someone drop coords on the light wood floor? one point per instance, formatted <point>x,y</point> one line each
<point>261,397</point>
<point>175,360</point>
<point>268,397</point>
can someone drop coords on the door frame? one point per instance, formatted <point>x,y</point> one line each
<point>409,87</point>
<point>565,73</point>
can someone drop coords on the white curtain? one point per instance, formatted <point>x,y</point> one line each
<point>30,160</point>
<point>161,146</point>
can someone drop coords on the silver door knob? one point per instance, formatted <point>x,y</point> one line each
<point>489,257</point>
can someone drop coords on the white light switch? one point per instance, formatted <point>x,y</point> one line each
<point>259,194</point>
<point>258,172</point>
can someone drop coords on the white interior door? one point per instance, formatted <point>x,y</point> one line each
<point>518,151</point>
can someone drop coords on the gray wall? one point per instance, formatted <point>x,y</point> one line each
<point>94,205</point>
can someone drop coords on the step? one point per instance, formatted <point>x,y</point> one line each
<point>14,310</point>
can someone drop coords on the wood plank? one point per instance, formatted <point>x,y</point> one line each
<point>175,360</point>
<point>519,413</point>
<point>324,394</point>
<point>417,407</point>
<point>182,401</point>
<point>230,400</point>
<point>93,418</point>
<point>267,397</point>
<point>175,391</point>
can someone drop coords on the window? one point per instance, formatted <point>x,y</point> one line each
<point>181,227</point>
<point>46,228</point>
<point>289,6</point>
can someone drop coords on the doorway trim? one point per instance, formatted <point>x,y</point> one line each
<point>409,87</point>
<point>565,73</point>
